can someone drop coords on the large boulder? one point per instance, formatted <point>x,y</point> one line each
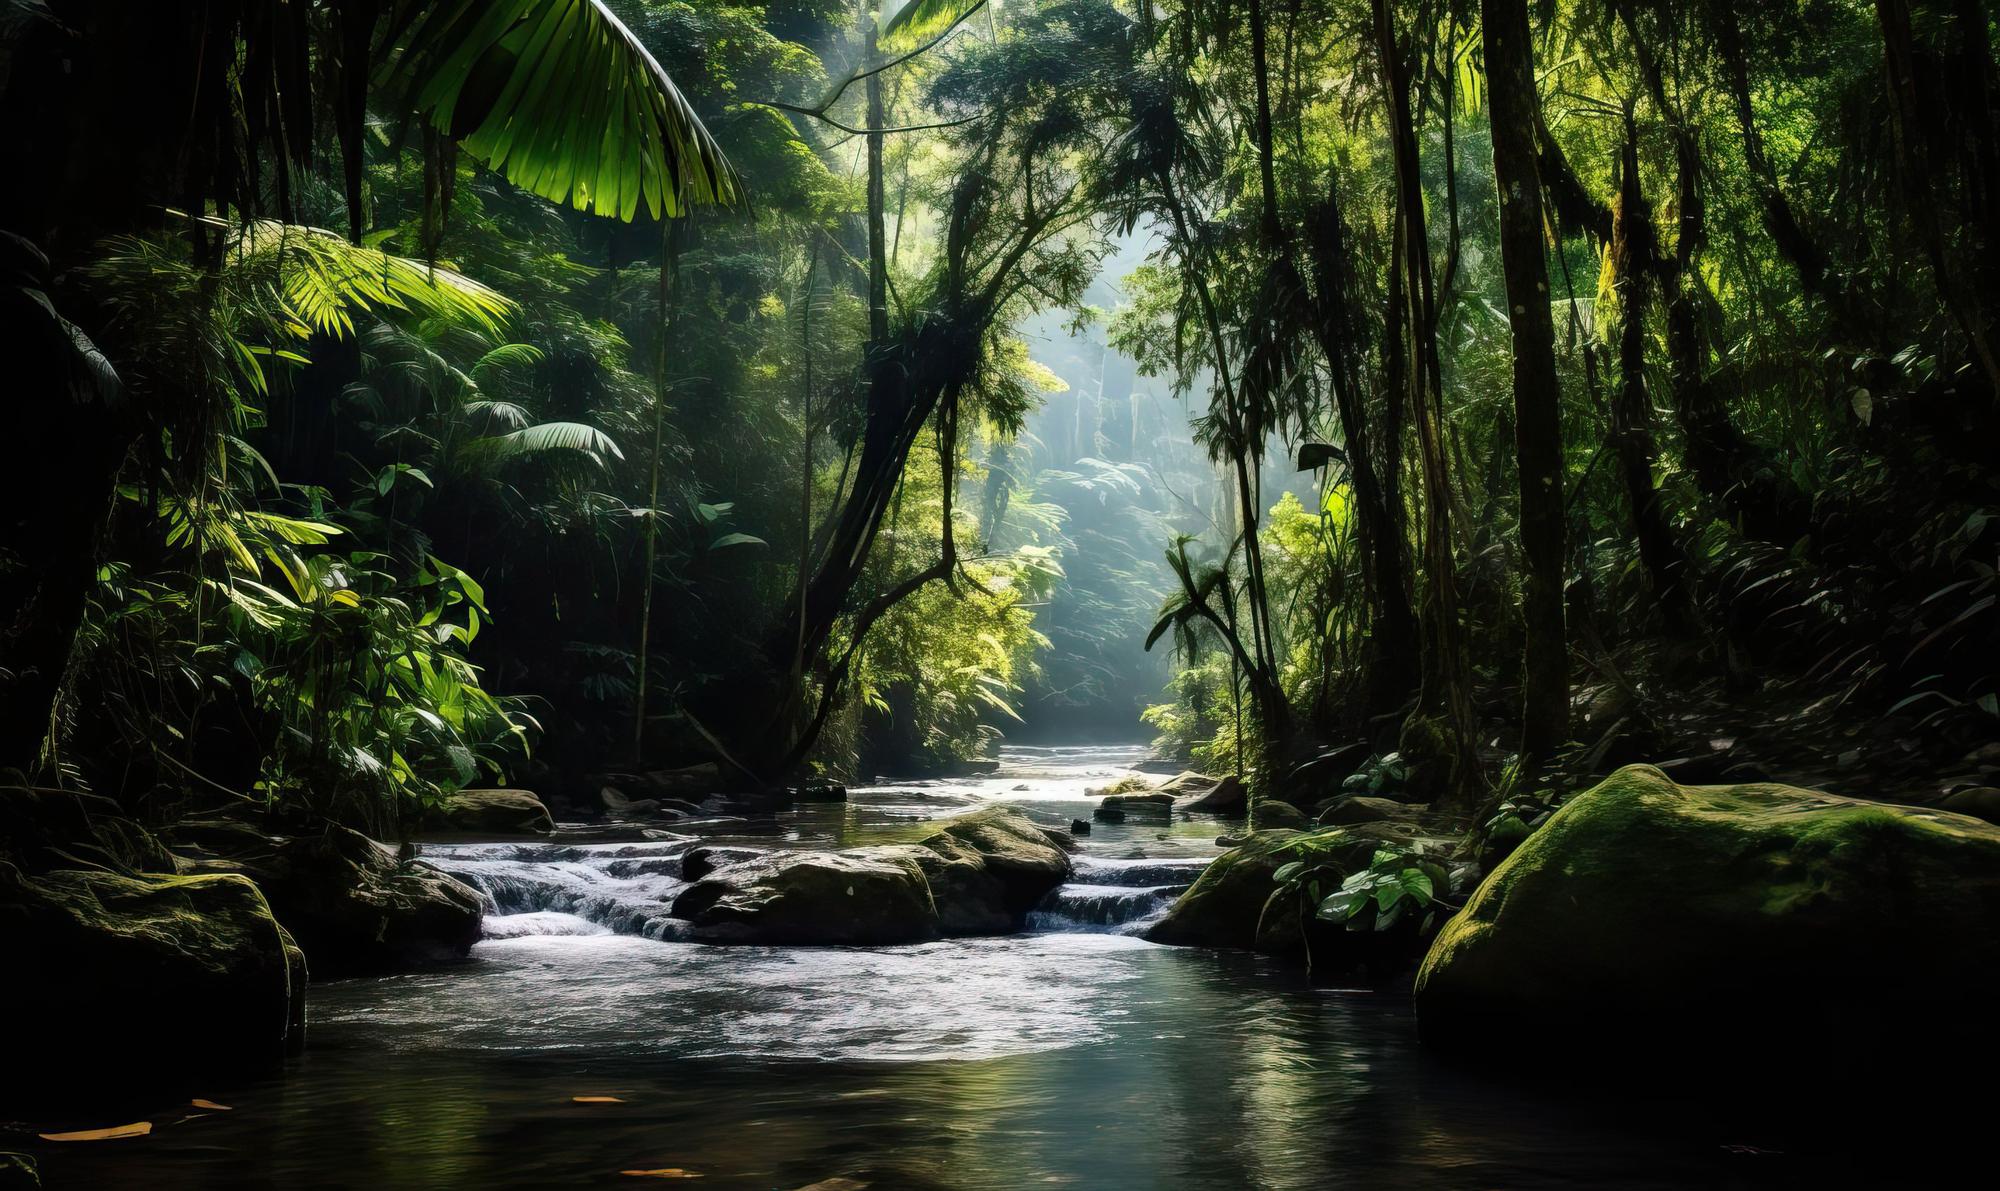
<point>791,898</point>
<point>122,982</point>
<point>491,813</point>
<point>977,873</point>
<point>1269,814</point>
<point>1223,797</point>
<point>1727,930</point>
<point>1021,864</point>
<point>355,905</point>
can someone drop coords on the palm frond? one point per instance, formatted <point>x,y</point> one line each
<point>560,97</point>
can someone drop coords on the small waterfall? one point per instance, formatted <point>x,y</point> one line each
<point>1116,896</point>
<point>570,889</point>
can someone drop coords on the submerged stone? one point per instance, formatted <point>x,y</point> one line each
<point>1727,929</point>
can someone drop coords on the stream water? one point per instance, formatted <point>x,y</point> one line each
<point>1073,1055</point>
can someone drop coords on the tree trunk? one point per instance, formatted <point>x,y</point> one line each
<point>1447,672</point>
<point>1633,249</point>
<point>1537,391</point>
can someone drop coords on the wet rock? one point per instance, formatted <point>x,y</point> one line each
<point>1765,930</point>
<point>794,898</point>
<point>1108,814</point>
<point>491,813</point>
<point>1026,861</point>
<point>1981,802</point>
<point>1269,814</point>
<point>1225,905</point>
<point>824,792</point>
<point>618,806</point>
<point>698,862</point>
<point>1225,797</point>
<point>1157,806</point>
<point>1188,784</point>
<point>1079,826</point>
<point>125,982</point>
<point>977,873</point>
<point>354,905</point>
<point>1222,907</point>
<point>687,781</point>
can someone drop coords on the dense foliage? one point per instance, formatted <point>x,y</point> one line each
<point>1621,344</point>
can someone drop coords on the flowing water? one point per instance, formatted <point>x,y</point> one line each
<point>1073,1055</point>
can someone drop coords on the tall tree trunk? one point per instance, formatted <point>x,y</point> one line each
<point>1447,673</point>
<point>1633,251</point>
<point>1510,73</point>
<point>1391,660</point>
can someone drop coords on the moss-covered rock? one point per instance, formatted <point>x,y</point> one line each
<point>1223,905</point>
<point>354,905</point>
<point>124,982</point>
<point>869,896</point>
<point>1024,861</point>
<point>1758,927</point>
<point>490,813</point>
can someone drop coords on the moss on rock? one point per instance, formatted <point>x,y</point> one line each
<point>490,812</point>
<point>133,981</point>
<point>1758,927</point>
<point>353,904</point>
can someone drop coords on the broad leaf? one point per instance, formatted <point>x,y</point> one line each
<point>560,97</point>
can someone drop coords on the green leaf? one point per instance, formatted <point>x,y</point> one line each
<point>909,25</point>
<point>737,539</point>
<point>560,97</point>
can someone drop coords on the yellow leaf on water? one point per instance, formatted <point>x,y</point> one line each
<point>665,1172</point>
<point>135,1129</point>
<point>597,1099</point>
<point>198,1102</point>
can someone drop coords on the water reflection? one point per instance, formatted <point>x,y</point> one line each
<point>1089,1061</point>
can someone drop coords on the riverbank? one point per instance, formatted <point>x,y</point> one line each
<point>1073,1054</point>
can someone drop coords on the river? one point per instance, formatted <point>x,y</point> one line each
<point>1073,1055</point>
